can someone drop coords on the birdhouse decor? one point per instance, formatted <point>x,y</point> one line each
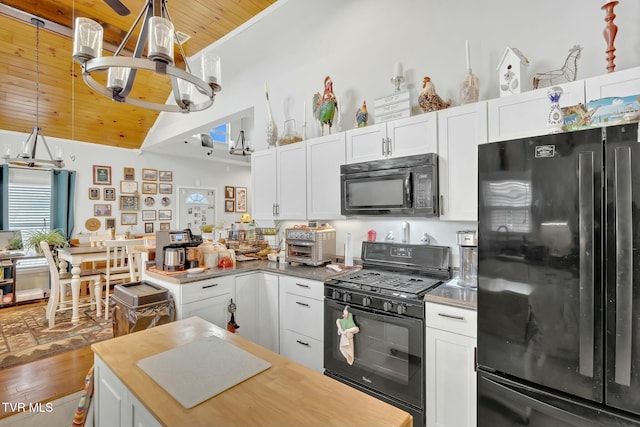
<point>511,71</point>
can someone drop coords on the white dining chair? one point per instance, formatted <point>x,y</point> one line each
<point>122,265</point>
<point>59,280</point>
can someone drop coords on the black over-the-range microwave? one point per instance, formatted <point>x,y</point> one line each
<point>402,186</point>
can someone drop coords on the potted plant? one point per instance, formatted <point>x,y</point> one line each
<point>54,238</point>
<point>207,231</point>
<point>15,242</point>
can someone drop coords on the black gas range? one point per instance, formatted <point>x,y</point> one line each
<point>386,301</point>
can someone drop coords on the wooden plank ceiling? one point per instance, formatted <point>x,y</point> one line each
<point>68,108</point>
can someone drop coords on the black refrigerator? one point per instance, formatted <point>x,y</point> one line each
<point>559,280</point>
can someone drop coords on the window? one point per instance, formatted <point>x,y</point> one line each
<point>219,133</point>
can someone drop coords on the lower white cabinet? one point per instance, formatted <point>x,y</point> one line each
<point>301,321</point>
<point>257,309</point>
<point>208,299</point>
<point>114,405</point>
<point>451,338</point>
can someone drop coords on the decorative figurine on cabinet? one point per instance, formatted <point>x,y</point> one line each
<point>325,105</point>
<point>567,73</point>
<point>429,99</point>
<point>362,116</point>
<point>510,71</point>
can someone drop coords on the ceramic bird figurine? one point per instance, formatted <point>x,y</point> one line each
<point>429,99</point>
<point>362,116</point>
<point>325,105</point>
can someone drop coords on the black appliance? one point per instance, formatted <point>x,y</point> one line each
<point>402,186</point>
<point>386,300</point>
<point>171,240</point>
<point>558,271</point>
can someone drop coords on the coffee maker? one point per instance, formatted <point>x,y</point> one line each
<point>468,242</point>
<point>171,247</point>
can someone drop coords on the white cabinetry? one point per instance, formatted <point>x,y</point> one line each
<point>279,182</point>
<point>620,83</point>
<point>450,364</point>
<point>257,309</point>
<point>301,320</point>
<point>460,130</point>
<point>525,114</point>
<point>324,157</point>
<point>404,137</point>
<point>114,405</point>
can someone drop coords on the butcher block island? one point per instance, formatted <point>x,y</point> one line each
<point>284,394</point>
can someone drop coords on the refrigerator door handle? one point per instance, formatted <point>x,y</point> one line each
<point>586,199</point>
<point>624,267</point>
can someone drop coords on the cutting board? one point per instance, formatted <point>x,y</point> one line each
<point>200,370</point>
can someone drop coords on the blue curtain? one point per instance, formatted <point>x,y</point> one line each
<point>62,203</point>
<point>4,195</point>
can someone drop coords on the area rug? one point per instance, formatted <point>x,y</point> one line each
<point>25,335</point>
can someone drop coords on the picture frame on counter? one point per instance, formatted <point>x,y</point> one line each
<point>241,199</point>
<point>148,227</point>
<point>109,223</point>
<point>129,203</point>
<point>164,226</point>
<point>164,214</point>
<point>129,174</point>
<point>102,209</point>
<point>229,192</point>
<point>149,174</point>
<point>101,175</point>
<point>164,188</point>
<point>129,187</point>
<point>94,193</point>
<point>149,188</point>
<point>128,218</point>
<point>110,194</point>
<point>229,206</point>
<point>149,215</point>
<point>165,175</point>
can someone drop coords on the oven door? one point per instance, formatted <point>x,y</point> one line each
<point>389,352</point>
<point>377,192</point>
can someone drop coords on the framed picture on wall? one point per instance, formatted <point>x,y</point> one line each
<point>228,206</point>
<point>149,215</point>
<point>149,188</point>
<point>149,174</point>
<point>129,203</point>
<point>229,192</point>
<point>101,175</point>
<point>165,176</point>
<point>128,218</point>
<point>129,174</point>
<point>241,199</point>
<point>164,214</point>
<point>148,227</point>
<point>165,188</point>
<point>110,194</point>
<point>102,209</point>
<point>128,187</point>
<point>94,193</point>
<point>165,226</point>
<point>109,223</point>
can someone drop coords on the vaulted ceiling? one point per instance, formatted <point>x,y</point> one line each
<point>67,107</point>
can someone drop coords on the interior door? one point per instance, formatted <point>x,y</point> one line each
<point>196,206</point>
<point>539,287</point>
<point>623,267</point>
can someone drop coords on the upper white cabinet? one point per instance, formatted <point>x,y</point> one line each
<point>460,130</point>
<point>620,83</point>
<point>404,137</point>
<point>279,181</point>
<point>525,114</point>
<point>324,157</point>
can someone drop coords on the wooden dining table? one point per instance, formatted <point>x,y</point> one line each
<point>76,255</point>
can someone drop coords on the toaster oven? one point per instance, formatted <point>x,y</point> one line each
<point>311,246</point>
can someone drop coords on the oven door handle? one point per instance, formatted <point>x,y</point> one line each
<point>387,317</point>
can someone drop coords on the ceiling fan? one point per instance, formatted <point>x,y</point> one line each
<point>118,7</point>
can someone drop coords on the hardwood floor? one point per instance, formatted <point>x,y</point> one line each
<point>44,380</point>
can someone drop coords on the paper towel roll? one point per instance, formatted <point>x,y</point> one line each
<point>348,251</point>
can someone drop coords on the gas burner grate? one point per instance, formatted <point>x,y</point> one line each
<point>377,281</point>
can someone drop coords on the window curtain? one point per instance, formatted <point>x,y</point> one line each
<point>62,203</point>
<point>4,191</point>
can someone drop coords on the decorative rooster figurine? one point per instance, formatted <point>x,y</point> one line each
<point>325,105</point>
<point>429,99</point>
<point>362,116</point>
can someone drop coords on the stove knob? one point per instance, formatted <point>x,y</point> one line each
<point>401,309</point>
<point>388,305</point>
<point>335,294</point>
<point>366,301</point>
<point>346,297</point>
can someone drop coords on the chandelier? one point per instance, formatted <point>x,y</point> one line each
<point>240,148</point>
<point>156,29</point>
<point>28,155</point>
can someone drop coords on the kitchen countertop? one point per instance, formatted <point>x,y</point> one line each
<point>452,293</point>
<point>320,273</point>
<point>287,393</point>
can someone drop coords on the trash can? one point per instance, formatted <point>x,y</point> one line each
<point>140,305</point>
